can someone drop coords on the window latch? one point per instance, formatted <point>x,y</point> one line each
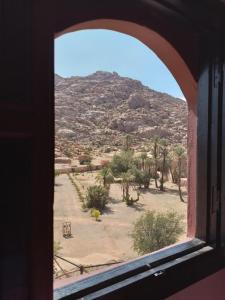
<point>159,273</point>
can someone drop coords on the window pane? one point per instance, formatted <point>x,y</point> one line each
<point>121,153</point>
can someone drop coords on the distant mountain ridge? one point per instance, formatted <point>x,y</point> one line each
<point>100,109</point>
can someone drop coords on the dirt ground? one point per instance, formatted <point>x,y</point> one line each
<point>108,240</point>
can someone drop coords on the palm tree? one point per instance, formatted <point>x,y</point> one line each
<point>155,155</point>
<point>163,148</point>
<point>172,161</point>
<point>128,141</point>
<point>105,177</point>
<point>126,181</point>
<point>148,165</point>
<point>179,152</point>
<point>143,158</point>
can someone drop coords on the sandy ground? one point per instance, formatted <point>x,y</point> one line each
<point>101,242</point>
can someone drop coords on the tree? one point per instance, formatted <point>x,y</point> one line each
<point>148,165</point>
<point>126,181</point>
<point>96,197</point>
<point>146,179</point>
<point>131,201</point>
<point>153,231</point>
<point>127,142</point>
<point>155,155</point>
<point>138,176</point>
<point>122,162</point>
<point>105,177</point>
<point>179,152</point>
<point>143,158</point>
<point>141,177</point>
<point>163,149</point>
<point>173,167</point>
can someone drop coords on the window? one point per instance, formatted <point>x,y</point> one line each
<point>190,256</point>
<point>121,158</point>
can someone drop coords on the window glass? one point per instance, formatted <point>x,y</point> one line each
<point>120,153</point>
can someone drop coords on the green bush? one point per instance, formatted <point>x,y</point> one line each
<point>153,231</point>
<point>141,177</point>
<point>96,197</point>
<point>122,163</point>
<point>95,213</point>
<point>146,179</point>
<point>76,187</point>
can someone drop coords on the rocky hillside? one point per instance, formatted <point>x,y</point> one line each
<point>100,109</point>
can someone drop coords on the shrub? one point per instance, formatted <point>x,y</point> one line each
<point>141,177</point>
<point>57,247</point>
<point>95,213</point>
<point>153,231</point>
<point>77,188</point>
<point>105,177</point>
<point>96,197</point>
<point>146,179</point>
<point>56,173</point>
<point>84,159</point>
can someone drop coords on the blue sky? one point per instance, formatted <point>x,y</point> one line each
<point>86,51</point>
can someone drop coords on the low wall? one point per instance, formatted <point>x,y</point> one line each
<point>76,169</point>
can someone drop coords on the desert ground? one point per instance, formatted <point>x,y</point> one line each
<point>109,239</point>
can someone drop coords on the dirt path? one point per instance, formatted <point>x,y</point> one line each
<point>92,242</point>
<point>66,204</point>
<point>101,242</point>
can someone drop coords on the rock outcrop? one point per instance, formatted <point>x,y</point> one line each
<point>100,109</point>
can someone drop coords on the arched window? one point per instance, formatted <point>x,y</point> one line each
<point>183,73</point>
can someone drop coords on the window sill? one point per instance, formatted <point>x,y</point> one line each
<point>157,265</point>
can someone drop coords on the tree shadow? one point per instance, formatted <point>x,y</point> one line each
<point>155,191</point>
<point>151,191</point>
<point>58,184</point>
<point>108,211</point>
<point>114,201</point>
<point>137,206</point>
<point>175,192</point>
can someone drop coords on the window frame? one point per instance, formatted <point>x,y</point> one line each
<point>204,254</point>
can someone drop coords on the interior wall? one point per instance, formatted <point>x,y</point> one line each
<point>27,124</point>
<point>212,287</point>
<point>26,149</point>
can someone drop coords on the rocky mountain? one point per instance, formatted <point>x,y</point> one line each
<point>99,110</point>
